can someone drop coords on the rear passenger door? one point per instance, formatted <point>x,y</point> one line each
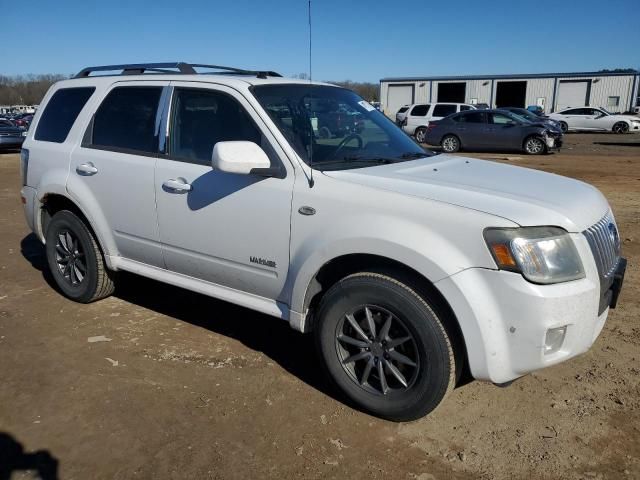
<point>471,129</point>
<point>112,171</point>
<point>228,229</point>
<point>441,110</point>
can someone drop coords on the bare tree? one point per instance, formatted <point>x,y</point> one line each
<point>26,89</point>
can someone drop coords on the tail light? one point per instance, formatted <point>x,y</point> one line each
<point>24,165</point>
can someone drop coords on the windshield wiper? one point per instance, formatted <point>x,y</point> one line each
<point>413,155</point>
<point>353,160</point>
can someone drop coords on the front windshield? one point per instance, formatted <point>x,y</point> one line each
<point>520,118</point>
<point>605,111</point>
<point>334,128</point>
<point>528,115</point>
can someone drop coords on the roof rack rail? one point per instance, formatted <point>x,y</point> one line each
<point>171,67</point>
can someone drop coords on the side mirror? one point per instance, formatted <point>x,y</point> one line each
<point>241,157</point>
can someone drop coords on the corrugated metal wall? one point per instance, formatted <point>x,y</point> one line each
<point>484,91</point>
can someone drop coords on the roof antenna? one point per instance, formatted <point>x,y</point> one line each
<point>311,182</point>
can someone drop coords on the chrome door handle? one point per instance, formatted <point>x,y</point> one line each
<point>86,169</point>
<point>178,185</point>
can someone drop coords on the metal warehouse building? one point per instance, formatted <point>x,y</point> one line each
<point>617,92</point>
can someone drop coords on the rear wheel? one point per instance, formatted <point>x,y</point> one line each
<point>421,134</point>
<point>384,347</point>
<point>75,260</point>
<point>621,127</point>
<point>450,143</point>
<point>564,127</point>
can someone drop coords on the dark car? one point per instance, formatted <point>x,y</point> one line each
<point>492,130</point>
<point>11,137</point>
<point>534,118</point>
<point>335,120</point>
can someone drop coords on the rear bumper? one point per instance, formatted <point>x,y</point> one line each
<point>11,142</point>
<point>29,201</point>
<point>506,320</point>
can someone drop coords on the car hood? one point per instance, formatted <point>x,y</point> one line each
<point>526,197</point>
<point>13,130</point>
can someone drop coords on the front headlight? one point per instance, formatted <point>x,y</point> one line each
<point>541,254</point>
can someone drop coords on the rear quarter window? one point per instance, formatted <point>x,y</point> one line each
<point>61,112</point>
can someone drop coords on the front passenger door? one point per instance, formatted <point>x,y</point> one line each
<point>225,228</point>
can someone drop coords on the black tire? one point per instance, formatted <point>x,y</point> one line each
<point>420,134</point>
<point>620,127</point>
<point>423,338</point>
<point>72,247</point>
<point>534,145</point>
<point>450,143</point>
<point>564,127</point>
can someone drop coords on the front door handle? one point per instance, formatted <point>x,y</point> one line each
<point>86,169</point>
<point>178,185</point>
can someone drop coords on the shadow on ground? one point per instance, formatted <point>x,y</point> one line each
<point>619,144</point>
<point>13,459</point>
<point>292,350</point>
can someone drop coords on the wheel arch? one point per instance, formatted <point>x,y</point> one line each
<point>53,202</point>
<point>344,265</point>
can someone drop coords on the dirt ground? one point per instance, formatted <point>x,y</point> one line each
<point>184,386</point>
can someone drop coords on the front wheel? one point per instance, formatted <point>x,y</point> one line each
<point>384,347</point>
<point>621,127</point>
<point>564,127</point>
<point>534,146</point>
<point>75,260</point>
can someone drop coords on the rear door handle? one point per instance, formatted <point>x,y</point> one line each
<point>86,169</point>
<point>178,185</point>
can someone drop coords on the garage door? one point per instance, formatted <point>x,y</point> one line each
<point>573,94</point>
<point>397,96</point>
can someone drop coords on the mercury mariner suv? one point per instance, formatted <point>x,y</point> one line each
<point>407,266</point>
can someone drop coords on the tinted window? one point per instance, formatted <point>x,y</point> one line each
<point>403,109</point>
<point>472,117</point>
<point>127,119</point>
<point>60,113</point>
<point>202,118</point>
<point>443,110</point>
<point>464,108</point>
<point>575,111</point>
<point>420,110</point>
<point>500,119</point>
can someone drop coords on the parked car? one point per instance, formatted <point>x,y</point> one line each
<point>534,118</point>
<point>401,114</point>
<point>598,119</point>
<point>420,114</point>
<point>11,137</point>
<point>535,109</point>
<point>492,130</point>
<point>334,119</point>
<point>407,266</point>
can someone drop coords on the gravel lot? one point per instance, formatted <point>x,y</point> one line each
<point>158,382</point>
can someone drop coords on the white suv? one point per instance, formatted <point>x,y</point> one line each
<point>417,117</point>
<point>406,265</point>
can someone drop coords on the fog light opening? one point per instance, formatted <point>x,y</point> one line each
<point>554,339</point>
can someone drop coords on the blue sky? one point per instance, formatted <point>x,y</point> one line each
<point>356,40</point>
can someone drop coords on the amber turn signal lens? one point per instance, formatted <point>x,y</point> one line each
<point>503,255</point>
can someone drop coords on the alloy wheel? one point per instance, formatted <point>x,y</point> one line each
<point>621,127</point>
<point>376,350</point>
<point>450,144</point>
<point>534,146</point>
<point>70,258</point>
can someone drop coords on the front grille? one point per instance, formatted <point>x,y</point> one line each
<point>604,241</point>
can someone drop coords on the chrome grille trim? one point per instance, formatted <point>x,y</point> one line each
<point>604,240</point>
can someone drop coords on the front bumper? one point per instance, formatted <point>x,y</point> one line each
<point>505,319</point>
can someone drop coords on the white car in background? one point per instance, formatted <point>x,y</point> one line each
<point>417,116</point>
<point>589,118</point>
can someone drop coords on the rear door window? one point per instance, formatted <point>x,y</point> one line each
<point>420,110</point>
<point>61,112</point>
<point>127,120</point>
<point>444,110</point>
<point>472,117</point>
